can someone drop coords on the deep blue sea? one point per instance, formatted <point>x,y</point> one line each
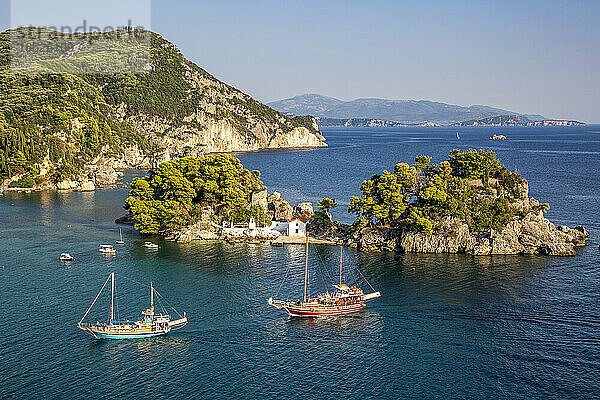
<point>446,326</point>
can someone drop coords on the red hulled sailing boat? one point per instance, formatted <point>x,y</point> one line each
<point>344,300</point>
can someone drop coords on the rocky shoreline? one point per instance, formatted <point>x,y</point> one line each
<point>277,209</point>
<point>100,172</point>
<point>531,234</point>
<point>105,172</point>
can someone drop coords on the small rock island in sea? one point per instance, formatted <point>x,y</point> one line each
<point>469,204</point>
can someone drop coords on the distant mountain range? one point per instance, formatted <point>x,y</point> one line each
<point>402,111</point>
<point>517,120</point>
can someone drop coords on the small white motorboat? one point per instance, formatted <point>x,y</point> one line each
<point>65,257</point>
<point>107,249</point>
<point>150,245</point>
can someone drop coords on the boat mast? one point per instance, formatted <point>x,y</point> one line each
<point>112,297</point>
<point>306,268</point>
<point>341,264</point>
<point>151,297</point>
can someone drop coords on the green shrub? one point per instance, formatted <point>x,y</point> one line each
<point>26,181</point>
<point>417,196</point>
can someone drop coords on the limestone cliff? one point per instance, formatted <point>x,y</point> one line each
<point>58,130</point>
<point>532,234</point>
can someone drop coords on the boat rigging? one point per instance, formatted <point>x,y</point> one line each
<point>152,324</point>
<point>344,300</point>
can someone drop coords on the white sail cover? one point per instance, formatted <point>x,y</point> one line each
<point>371,295</point>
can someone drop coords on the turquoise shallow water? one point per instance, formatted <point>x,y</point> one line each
<point>447,326</point>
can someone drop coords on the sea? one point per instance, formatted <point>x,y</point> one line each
<point>446,326</point>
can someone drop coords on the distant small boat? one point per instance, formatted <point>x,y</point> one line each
<point>150,245</point>
<point>457,135</point>
<point>65,257</point>
<point>120,241</point>
<point>107,249</point>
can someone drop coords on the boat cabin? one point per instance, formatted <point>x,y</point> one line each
<point>106,248</point>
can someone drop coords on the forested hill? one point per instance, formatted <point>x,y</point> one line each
<point>53,126</point>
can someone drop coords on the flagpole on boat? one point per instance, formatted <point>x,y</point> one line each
<point>112,297</point>
<point>306,268</point>
<point>341,264</point>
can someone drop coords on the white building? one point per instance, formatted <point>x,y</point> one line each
<point>280,226</point>
<point>297,226</point>
<point>294,227</point>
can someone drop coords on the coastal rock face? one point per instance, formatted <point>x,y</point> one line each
<point>67,185</point>
<point>304,210</point>
<point>297,137</point>
<point>80,186</point>
<point>87,186</point>
<point>222,136</point>
<point>192,232</point>
<point>533,234</point>
<point>280,210</point>
<point>454,237</point>
<point>133,157</point>
<point>259,199</point>
<point>274,196</point>
<point>220,118</point>
<point>204,229</point>
<point>105,175</point>
<point>91,177</point>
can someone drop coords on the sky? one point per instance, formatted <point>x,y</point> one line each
<point>538,57</point>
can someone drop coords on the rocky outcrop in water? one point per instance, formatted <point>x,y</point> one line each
<point>533,234</point>
<point>278,209</point>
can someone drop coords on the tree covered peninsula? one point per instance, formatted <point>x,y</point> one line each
<point>72,130</point>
